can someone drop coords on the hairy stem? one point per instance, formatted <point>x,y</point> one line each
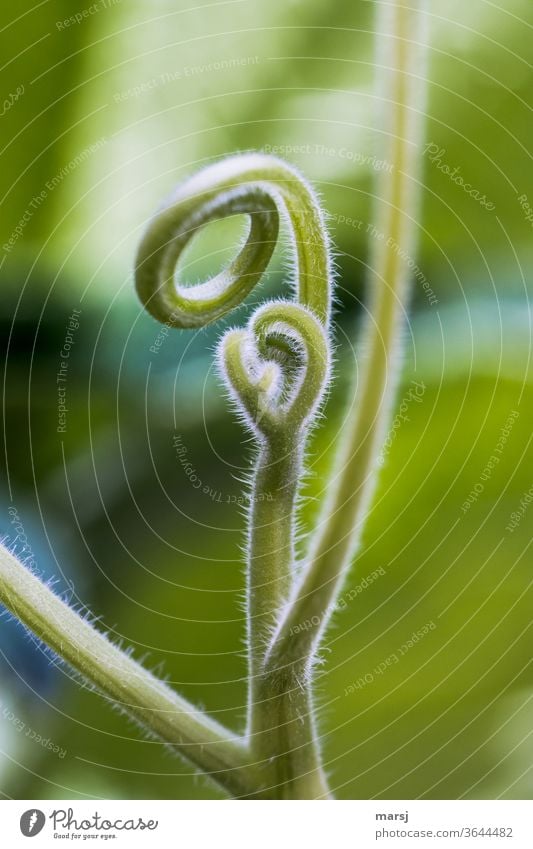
<point>286,737</point>
<point>221,756</point>
<point>401,59</point>
<point>271,549</point>
<point>276,370</point>
<point>281,722</point>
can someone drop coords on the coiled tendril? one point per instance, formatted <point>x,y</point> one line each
<point>264,188</point>
<point>276,369</point>
<point>278,334</point>
<point>260,186</point>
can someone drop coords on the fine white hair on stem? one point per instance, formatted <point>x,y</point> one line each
<point>276,371</point>
<point>112,671</point>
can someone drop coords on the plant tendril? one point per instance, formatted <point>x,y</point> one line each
<point>276,370</point>
<point>262,187</point>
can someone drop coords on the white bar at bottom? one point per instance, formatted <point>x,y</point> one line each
<point>268,825</point>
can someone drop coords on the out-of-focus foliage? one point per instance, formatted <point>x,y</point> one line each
<point>115,110</point>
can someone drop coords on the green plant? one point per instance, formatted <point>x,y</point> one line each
<point>276,371</point>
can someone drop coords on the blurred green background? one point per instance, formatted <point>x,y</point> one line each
<point>102,115</point>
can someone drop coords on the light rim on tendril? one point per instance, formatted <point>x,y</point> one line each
<point>261,186</point>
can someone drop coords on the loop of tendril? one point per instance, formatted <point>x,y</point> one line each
<point>277,367</point>
<point>262,187</point>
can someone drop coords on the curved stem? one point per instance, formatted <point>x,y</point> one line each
<point>222,756</point>
<point>277,387</point>
<point>402,47</point>
<point>276,370</point>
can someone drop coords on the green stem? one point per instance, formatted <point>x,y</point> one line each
<point>277,369</point>
<point>221,756</point>
<point>401,45</point>
<point>281,727</point>
<point>278,398</point>
<point>286,736</point>
<point>271,545</point>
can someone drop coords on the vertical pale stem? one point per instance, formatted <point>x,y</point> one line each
<point>271,547</point>
<point>280,723</point>
<point>401,61</point>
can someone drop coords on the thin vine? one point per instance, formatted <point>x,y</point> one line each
<point>276,370</point>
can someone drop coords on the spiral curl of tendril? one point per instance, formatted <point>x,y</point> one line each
<point>249,360</point>
<point>264,188</point>
<point>276,370</point>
